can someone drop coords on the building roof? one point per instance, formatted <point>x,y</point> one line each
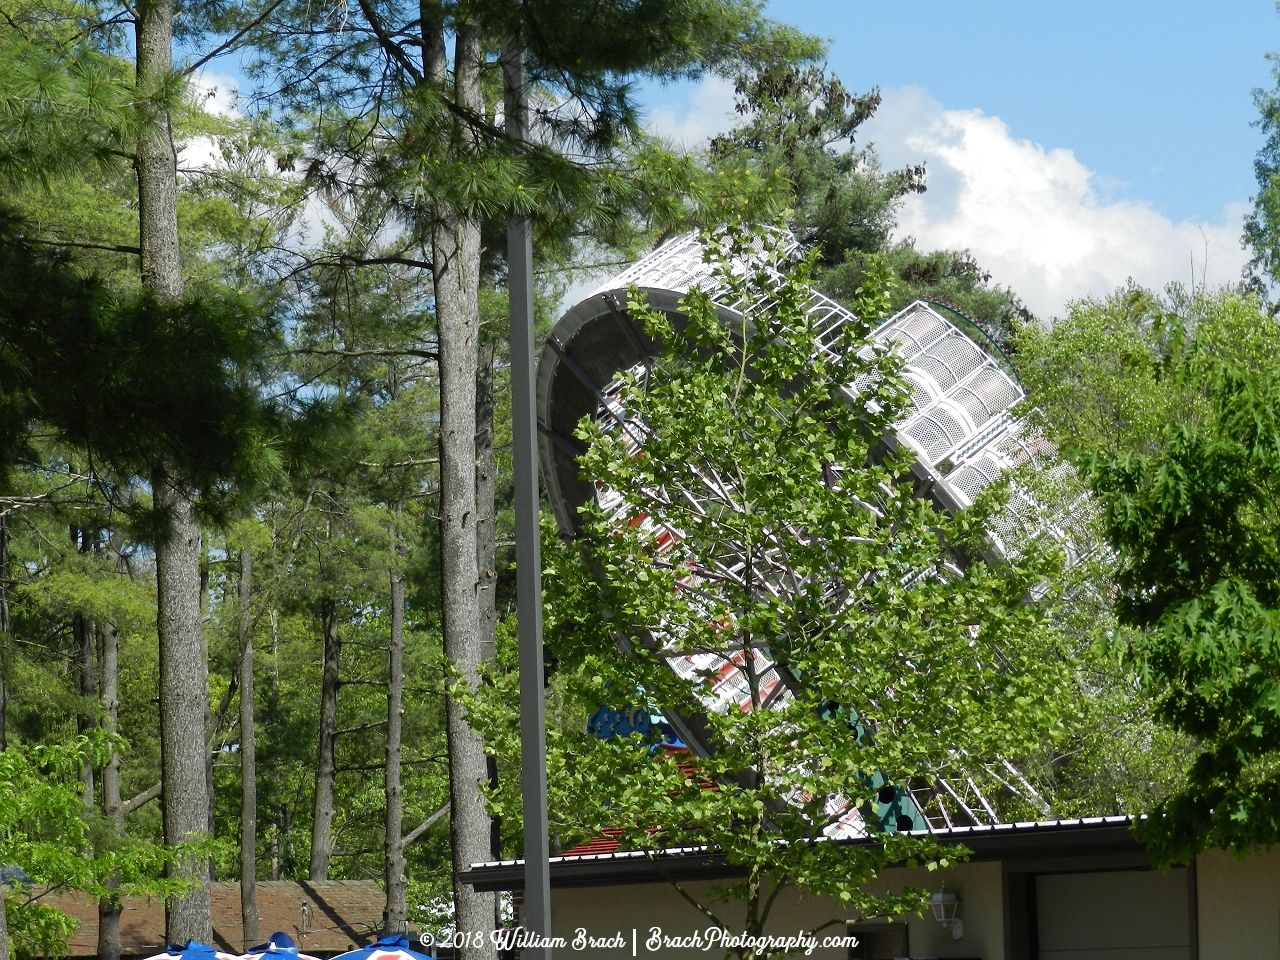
<point>339,916</point>
<point>1038,839</point>
<point>610,841</point>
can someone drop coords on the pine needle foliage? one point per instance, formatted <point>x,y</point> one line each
<point>132,382</point>
<point>1262,225</point>
<point>65,107</point>
<point>800,124</point>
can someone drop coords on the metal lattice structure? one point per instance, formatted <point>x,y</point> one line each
<point>961,430</point>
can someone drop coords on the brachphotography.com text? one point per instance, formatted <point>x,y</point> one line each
<point>642,942</point>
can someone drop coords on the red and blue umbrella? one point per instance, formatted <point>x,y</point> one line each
<point>388,948</point>
<point>279,947</point>
<point>193,950</point>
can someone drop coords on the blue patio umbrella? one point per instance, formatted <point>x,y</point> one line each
<point>193,950</point>
<point>395,947</point>
<point>279,946</point>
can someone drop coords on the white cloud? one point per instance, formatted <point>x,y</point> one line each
<point>1037,218</point>
<point>707,111</point>
<point>1033,216</point>
<point>217,95</point>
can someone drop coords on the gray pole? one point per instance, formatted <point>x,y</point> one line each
<point>524,452</point>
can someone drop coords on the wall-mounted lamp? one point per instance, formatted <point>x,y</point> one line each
<point>946,907</point>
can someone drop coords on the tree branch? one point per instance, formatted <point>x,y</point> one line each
<point>223,48</point>
<point>391,48</point>
<point>361,728</point>
<point>425,825</point>
<point>316,352</point>
<point>141,800</point>
<point>684,893</point>
<point>114,248</point>
<point>216,721</point>
<point>353,261</point>
<point>366,767</point>
<point>389,466</point>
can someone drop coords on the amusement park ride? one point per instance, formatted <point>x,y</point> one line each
<point>961,430</point>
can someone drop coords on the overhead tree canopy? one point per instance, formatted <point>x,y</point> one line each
<point>132,382</point>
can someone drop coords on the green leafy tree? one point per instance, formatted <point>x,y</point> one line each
<point>1104,384</point>
<point>1098,374</point>
<point>804,558</point>
<point>948,277</point>
<point>1191,514</point>
<point>44,833</point>
<point>1262,225</point>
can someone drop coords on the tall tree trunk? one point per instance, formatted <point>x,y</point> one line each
<point>248,763</point>
<point>82,660</point>
<point>157,161</point>
<point>184,704</point>
<point>486,510</point>
<point>184,679</point>
<point>214,730</point>
<point>487,549</point>
<point>395,916</point>
<point>4,928</point>
<point>456,268</point>
<point>396,912</point>
<point>109,905</point>
<point>273,706</point>
<point>326,756</point>
<point>86,687</point>
<point>4,632</point>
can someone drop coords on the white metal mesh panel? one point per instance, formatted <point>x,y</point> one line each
<point>980,463</point>
<point>988,392</point>
<point>961,397</point>
<point>957,389</point>
<point>678,265</point>
<point>923,390</point>
<point>974,477</point>
<point>919,328</point>
<point>936,432</point>
<point>950,360</point>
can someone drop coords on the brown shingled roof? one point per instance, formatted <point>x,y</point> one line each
<point>340,915</point>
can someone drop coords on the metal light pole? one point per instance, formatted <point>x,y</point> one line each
<point>533,742</point>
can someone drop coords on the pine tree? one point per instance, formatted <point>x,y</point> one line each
<point>443,167</point>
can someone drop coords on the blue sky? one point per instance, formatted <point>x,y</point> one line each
<point>1154,97</point>
<point>1070,146</point>
<point>1122,129</point>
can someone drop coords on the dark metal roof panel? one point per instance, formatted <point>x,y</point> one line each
<point>1005,841</point>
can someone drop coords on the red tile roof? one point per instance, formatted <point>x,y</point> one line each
<point>608,843</point>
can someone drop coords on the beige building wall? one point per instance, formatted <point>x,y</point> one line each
<point>606,912</point>
<point>1114,915</point>
<point>980,888</point>
<point>1238,906</point>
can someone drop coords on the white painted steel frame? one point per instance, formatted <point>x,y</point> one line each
<point>961,429</point>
